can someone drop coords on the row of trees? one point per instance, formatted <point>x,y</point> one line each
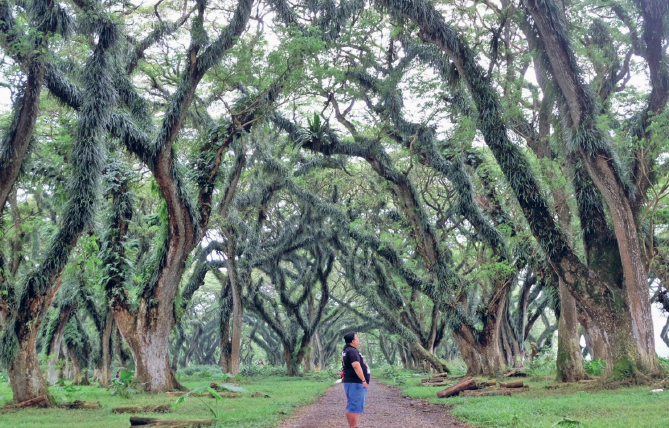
<point>446,175</point>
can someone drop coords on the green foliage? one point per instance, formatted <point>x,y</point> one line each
<point>64,392</point>
<point>398,375</point>
<point>124,386</point>
<point>253,370</point>
<point>542,364</point>
<point>623,368</point>
<point>594,367</point>
<point>215,410</point>
<point>202,372</point>
<point>664,365</point>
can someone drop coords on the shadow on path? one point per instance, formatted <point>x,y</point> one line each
<point>385,408</point>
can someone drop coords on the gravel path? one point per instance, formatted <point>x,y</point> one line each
<point>385,408</point>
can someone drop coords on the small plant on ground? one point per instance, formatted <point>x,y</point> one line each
<point>123,385</point>
<point>664,365</point>
<point>215,410</point>
<point>594,367</point>
<point>64,392</point>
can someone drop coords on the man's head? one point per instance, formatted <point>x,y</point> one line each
<point>352,339</point>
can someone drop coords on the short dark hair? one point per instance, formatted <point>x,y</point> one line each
<point>350,336</point>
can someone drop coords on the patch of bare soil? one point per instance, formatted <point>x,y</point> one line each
<point>385,408</point>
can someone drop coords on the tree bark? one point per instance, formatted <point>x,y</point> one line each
<point>12,155</point>
<point>149,344</point>
<point>104,370</point>
<point>25,376</point>
<point>237,309</point>
<point>569,357</point>
<point>601,169</point>
<point>56,342</point>
<point>596,343</point>
<point>292,360</point>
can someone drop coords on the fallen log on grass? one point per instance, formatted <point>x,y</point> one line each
<point>488,383</point>
<point>155,408</point>
<point>80,405</point>
<point>136,421</point>
<point>516,373</point>
<point>515,384</point>
<point>467,383</point>
<point>41,401</point>
<point>486,393</point>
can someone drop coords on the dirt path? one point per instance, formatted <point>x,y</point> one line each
<point>385,408</point>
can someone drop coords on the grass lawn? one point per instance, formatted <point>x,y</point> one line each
<point>245,412</point>
<point>543,408</point>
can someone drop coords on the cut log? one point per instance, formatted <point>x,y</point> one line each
<point>489,383</point>
<point>159,408</point>
<point>136,421</point>
<point>486,393</point>
<point>514,384</point>
<point>587,380</point>
<point>41,401</point>
<point>77,404</point>
<point>465,384</point>
<point>516,373</point>
<point>442,375</point>
<point>174,394</point>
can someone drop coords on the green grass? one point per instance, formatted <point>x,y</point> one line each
<point>285,393</point>
<point>633,407</point>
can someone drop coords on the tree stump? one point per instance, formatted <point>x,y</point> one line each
<point>465,384</point>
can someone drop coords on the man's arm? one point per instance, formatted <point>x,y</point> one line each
<point>358,370</point>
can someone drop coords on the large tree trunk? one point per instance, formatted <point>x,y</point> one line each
<point>149,345</point>
<point>292,362</point>
<point>55,345</point>
<point>601,168</point>
<point>482,352</point>
<point>104,370</point>
<point>569,357</point>
<point>25,376</point>
<point>237,310</point>
<point>77,375</point>
<point>22,128</point>
<point>596,342</point>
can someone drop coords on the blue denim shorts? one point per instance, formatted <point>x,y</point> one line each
<point>355,397</point>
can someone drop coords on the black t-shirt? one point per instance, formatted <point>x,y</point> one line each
<point>348,356</point>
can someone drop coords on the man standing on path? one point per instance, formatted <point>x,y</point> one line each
<point>356,377</point>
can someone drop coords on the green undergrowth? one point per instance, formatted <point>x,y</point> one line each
<point>285,395</point>
<point>588,405</point>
